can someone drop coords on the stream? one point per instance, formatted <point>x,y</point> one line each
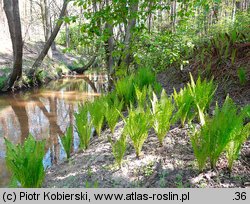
<point>45,112</point>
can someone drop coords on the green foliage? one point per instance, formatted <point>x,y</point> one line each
<point>233,148</point>
<point>184,103</point>
<point>137,126</point>
<point>2,82</point>
<point>160,50</point>
<point>26,162</point>
<point>194,99</point>
<point>224,131</point>
<point>112,112</point>
<point>202,93</point>
<point>141,96</point>
<point>119,149</point>
<point>83,126</point>
<point>145,77</point>
<point>125,89</point>
<point>242,75</point>
<point>162,111</point>
<point>67,141</point>
<point>97,111</point>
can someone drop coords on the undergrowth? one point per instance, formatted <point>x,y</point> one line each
<point>67,140</point>
<point>225,131</point>
<point>26,162</point>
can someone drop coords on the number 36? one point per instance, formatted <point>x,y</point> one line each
<point>240,196</point>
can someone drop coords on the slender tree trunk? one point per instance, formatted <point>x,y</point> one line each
<point>49,42</point>
<point>11,8</point>
<point>128,34</point>
<point>47,19</point>
<point>47,24</point>
<point>109,45</point>
<point>150,17</point>
<point>234,10</point>
<point>67,33</point>
<point>173,15</point>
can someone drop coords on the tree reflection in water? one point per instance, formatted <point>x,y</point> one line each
<point>45,113</point>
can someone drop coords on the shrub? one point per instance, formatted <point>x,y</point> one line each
<point>97,114</point>
<point>137,126</point>
<point>67,141</point>
<point>26,162</point>
<point>162,111</point>
<point>224,131</point>
<point>112,112</point>
<point>83,126</point>
<point>119,149</point>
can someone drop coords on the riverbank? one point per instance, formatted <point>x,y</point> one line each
<point>52,68</point>
<point>172,165</point>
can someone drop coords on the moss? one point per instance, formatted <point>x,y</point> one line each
<point>3,79</point>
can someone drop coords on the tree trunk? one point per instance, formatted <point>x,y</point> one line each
<point>109,45</point>
<point>11,8</point>
<point>67,32</point>
<point>80,70</point>
<point>49,42</point>
<point>128,35</point>
<point>173,15</point>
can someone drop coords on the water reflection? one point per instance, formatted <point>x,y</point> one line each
<point>45,113</point>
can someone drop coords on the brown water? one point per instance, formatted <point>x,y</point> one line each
<point>45,113</point>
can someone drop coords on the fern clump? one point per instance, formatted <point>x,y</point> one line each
<point>97,111</point>
<point>119,149</point>
<point>184,103</point>
<point>67,141</point>
<point>137,126</point>
<point>162,111</point>
<point>242,75</point>
<point>223,132</point>
<point>145,77</point>
<point>202,93</point>
<point>141,97</point>
<point>125,89</point>
<point>26,162</point>
<point>112,112</point>
<point>193,100</point>
<point>83,126</point>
